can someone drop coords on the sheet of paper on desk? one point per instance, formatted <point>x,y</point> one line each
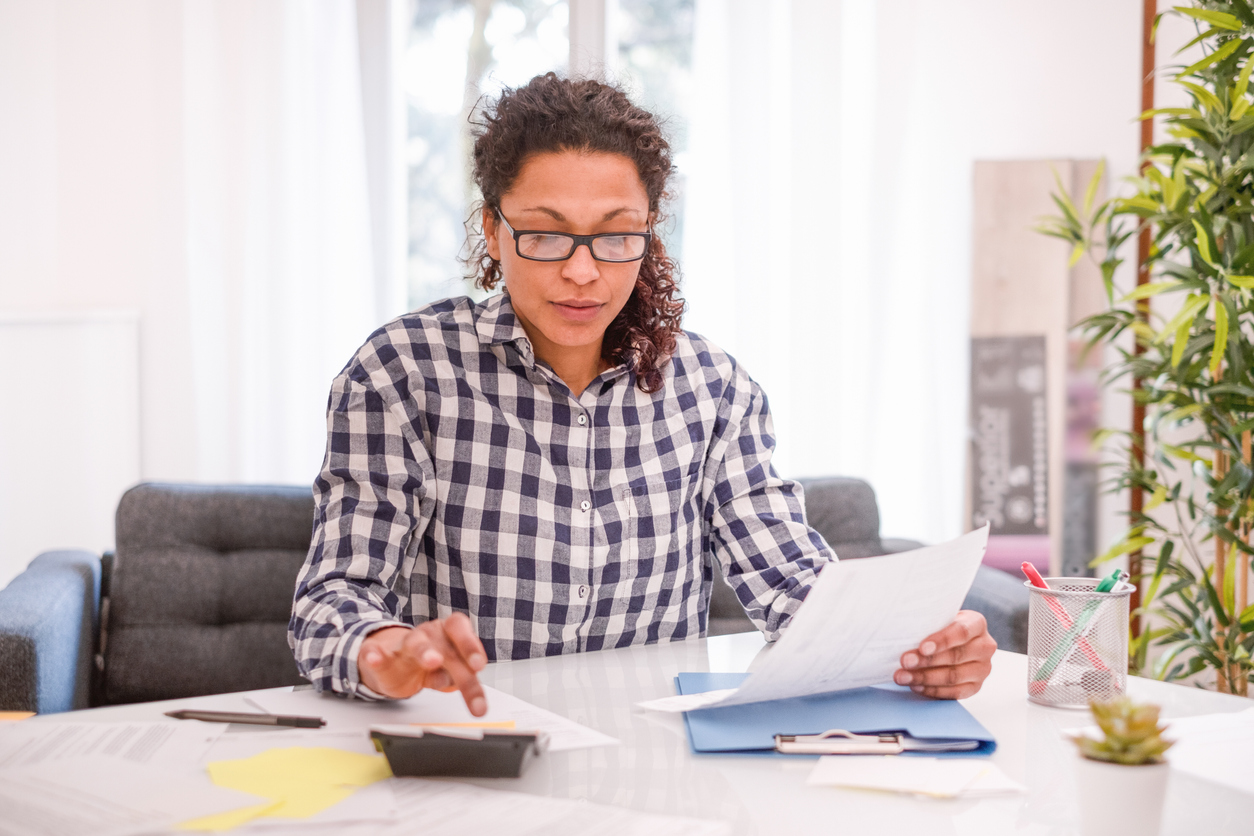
<point>938,777</point>
<point>858,619</point>
<point>27,744</point>
<point>432,707</point>
<point>448,808</point>
<point>106,796</point>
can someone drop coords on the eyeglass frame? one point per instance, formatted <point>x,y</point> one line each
<point>576,242</point>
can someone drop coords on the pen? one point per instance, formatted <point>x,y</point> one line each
<point>1060,612</point>
<point>251,719</point>
<point>1064,644</point>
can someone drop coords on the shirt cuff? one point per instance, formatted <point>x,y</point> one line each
<point>347,680</point>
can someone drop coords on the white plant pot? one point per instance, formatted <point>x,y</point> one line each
<point>1118,800</point>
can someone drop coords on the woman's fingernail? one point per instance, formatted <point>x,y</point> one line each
<point>373,657</point>
<point>903,678</point>
<point>477,661</point>
<point>910,661</point>
<point>927,648</point>
<point>478,706</point>
<point>918,689</point>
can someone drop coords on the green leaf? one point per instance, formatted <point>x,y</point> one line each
<point>1243,80</point>
<point>1221,19</point>
<point>1181,453</point>
<point>1244,11</point>
<point>1246,282</point>
<point>1122,548</point>
<point>1160,493</point>
<point>1239,107</point>
<point>1172,111</point>
<point>1152,289</point>
<point>1171,418</point>
<point>1221,337</point>
<point>1090,194</point>
<point>1203,243</point>
<point>1230,575</point>
<point>1077,252</point>
<point>1181,342</point>
<point>1187,312</point>
<point>1214,58</point>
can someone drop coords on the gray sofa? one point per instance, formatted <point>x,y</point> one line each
<point>195,599</point>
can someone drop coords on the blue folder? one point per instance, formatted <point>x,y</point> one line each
<point>752,728</point>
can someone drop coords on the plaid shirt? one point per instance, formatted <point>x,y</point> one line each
<point>462,475</point>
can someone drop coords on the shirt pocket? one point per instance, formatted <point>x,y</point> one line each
<point>656,519</point>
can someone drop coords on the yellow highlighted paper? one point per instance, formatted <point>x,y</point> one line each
<point>10,716</point>
<point>299,782</point>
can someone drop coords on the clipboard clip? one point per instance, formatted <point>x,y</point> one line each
<point>841,742</point>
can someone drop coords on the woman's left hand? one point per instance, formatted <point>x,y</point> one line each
<point>950,664</point>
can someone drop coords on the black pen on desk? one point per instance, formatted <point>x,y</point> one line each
<point>251,719</point>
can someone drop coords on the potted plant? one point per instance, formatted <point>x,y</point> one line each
<point>1122,775</point>
<point>1189,355</point>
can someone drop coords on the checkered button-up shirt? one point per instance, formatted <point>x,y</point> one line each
<point>462,475</point>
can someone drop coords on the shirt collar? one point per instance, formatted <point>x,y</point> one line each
<point>497,324</point>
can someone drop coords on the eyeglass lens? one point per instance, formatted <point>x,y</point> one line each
<point>608,248</point>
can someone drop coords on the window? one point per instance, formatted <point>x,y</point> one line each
<point>460,50</point>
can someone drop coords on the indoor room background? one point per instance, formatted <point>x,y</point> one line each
<point>207,205</point>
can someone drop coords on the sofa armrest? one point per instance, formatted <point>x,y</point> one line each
<point>48,620</point>
<point>1003,601</point>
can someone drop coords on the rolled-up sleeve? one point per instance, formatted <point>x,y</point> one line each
<point>756,520</point>
<point>370,505</point>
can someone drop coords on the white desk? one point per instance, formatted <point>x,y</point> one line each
<point>654,770</point>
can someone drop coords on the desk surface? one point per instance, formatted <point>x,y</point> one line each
<point>655,771</point>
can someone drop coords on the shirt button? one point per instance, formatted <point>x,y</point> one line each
<point>583,419</point>
<point>583,592</point>
<point>585,505</point>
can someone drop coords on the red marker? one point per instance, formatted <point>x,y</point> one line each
<point>1061,613</point>
<point>1034,576</point>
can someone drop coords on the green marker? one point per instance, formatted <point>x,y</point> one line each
<point>1065,643</point>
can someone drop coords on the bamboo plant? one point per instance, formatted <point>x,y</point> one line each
<point>1187,336</point>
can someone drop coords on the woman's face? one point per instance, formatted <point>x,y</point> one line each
<point>567,305</point>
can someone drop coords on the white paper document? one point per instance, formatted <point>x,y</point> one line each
<point>446,808</point>
<point>30,743</point>
<point>938,777</point>
<point>433,707</point>
<point>858,619</point>
<point>106,796</point>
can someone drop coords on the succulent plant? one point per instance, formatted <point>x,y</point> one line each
<point>1131,734</point>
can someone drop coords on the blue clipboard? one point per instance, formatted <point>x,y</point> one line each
<point>751,728</point>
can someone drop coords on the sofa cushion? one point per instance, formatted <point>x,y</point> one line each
<point>201,589</point>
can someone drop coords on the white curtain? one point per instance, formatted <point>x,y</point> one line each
<point>280,288</point>
<point>828,221</point>
<point>803,256</point>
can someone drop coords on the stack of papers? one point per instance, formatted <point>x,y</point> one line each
<point>936,777</point>
<point>857,621</point>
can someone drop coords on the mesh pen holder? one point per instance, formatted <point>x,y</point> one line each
<point>1077,642</point>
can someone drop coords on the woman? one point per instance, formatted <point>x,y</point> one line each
<point>547,471</point>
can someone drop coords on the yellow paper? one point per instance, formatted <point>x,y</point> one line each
<point>10,716</point>
<point>230,819</point>
<point>299,782</point>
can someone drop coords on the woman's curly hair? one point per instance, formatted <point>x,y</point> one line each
<point>555,114</point>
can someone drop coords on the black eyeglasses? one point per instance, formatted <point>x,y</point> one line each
<point>538,245</point>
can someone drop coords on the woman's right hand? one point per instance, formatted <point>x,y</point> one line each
<point>445,655</point>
